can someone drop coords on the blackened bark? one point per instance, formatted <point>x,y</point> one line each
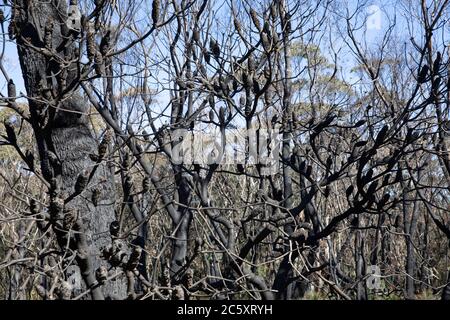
<point>410,225</point>
<point>181,226</point>
<point>284,287</point>
<point>65,134</point>
<point>446,291</point>
<point>73,146</point>
<point>361,292</point>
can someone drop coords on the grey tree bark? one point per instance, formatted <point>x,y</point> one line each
<point>52,86</point>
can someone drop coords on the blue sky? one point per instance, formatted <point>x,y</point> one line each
<point>11,64</point>
<point>379,12</point>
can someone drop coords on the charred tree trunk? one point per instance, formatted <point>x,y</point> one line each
<point>446,291</point>
<point>181,227</point>
<point>410,224</point>
<point>63,138</point>
<point>282,284</point>
<point>360,264</point>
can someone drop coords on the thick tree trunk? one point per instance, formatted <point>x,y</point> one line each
<point>73,146</point>
<point>64,134</point>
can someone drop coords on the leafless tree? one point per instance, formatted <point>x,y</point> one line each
<point>192,149</point>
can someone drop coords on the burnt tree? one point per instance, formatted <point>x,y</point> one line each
<point>49,56</point>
